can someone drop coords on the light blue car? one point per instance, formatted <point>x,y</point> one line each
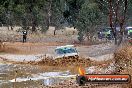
<point>66,51</point>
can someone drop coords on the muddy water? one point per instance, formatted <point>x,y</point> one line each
<point>27,76</point>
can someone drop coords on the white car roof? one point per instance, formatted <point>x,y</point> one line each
<point>64,46</point>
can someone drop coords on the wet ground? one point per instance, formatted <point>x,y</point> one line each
<point>28,76</point>
<point>34,76</point>
<point>34,51</point>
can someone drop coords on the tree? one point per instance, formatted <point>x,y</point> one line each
<point>117,10</point>
<point>74,7</point>
<point>129,14</point>
<point>88,19</point>
<point>7,12</point>
<point>57,14</point>
<point>2,15</point>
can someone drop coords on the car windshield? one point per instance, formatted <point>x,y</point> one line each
<point>65,50</point>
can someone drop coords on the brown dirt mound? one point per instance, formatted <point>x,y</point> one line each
<point>124,53</point>
<point>123,57</point>
<point>65,62</point>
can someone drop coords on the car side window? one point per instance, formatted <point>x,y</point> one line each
<point>65,50</point>
<point>59,51</point>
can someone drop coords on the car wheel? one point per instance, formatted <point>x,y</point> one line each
<point>76,56</point>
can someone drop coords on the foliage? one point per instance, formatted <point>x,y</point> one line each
<point>89,17</point>
<point>117,12</point>
<point>85,15</point>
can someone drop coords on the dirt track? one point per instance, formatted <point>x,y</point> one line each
<point>28,51</point>
<point>41,45</point>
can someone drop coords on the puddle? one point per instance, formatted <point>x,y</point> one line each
<point>28,76</point>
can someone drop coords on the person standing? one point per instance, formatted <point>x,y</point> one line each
<point>24,36</point>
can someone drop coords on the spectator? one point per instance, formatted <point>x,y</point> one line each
<point>24,36</point>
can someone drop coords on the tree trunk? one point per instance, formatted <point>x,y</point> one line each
<point>121,36</point>
<point>8,26</point>
<point>49,14</point>
<point>55,31</point>
<point>115,40</point>
<point>115,37</point>
<point>11,28</point>
<point>34,25</point>
<point>47,23</point>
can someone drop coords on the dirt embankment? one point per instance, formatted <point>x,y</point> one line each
<point>122,57</point>
<point>123,61</point>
